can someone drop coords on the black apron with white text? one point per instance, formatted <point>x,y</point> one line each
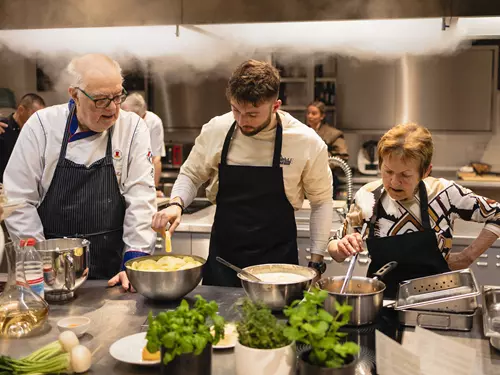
<point>254,221</point>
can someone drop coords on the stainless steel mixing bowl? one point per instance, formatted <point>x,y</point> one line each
<point>164,285</point>
<point>277,296</point>
<point>65,266</point>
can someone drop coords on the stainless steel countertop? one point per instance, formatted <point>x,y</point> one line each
<point>115,315</point>
<point>201,222</point>
<point>360,179</point>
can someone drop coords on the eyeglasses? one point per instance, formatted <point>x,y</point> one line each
<point>105,102</point>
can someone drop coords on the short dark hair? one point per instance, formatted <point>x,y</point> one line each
<point>28,100</point>
<point>254,82</point>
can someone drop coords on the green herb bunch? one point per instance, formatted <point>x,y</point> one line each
<point>185,330</point>
<point>311,324</point>
<point>258,328</point>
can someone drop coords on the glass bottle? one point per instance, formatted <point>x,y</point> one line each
<point>22,311</point>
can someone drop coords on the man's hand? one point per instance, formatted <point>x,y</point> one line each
<point>170,215</point>
<point>459,261</point>
<point>3,126</point>
<point>121,277</point>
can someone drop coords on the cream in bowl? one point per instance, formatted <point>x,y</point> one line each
<point>77,324</point>
<point>280,284</point>
<point>281,277</point>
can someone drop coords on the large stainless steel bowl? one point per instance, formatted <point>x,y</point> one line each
<point>277,296</point>
<point>65,266</point>
<point>164,285</point>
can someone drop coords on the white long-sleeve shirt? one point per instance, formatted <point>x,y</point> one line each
<point>304,159</point>
<point>155,126</point>
<point>34,159</point>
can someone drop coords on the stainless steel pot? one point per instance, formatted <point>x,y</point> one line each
<point>65,266</point>
<point>364,294</point>
<point>277,295</point>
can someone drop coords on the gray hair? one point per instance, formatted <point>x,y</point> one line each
<point>77,66</point>
<point>135,103</point>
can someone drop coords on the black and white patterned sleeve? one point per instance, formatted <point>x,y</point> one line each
<point>466,205</point>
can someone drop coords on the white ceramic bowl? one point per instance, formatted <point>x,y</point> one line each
<point>77,324</point>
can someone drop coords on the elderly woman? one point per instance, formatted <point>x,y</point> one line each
<point>414,214</point>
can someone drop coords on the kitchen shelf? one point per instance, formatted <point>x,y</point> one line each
<point>293,107</point>
<point>293,80</point>
<point>326,79</point>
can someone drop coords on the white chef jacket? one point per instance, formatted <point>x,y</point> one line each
<point>155,126</point>
<point>34,159</point>
<point>304,159</point>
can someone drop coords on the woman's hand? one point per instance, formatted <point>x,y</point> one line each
<point>349,245</point>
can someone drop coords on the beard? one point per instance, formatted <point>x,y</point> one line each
<point>251,131</point>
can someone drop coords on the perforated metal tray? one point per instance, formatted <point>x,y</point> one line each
<point>454,291</point>
<point>491,311</point>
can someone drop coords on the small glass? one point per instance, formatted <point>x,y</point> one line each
<point>22,311</point>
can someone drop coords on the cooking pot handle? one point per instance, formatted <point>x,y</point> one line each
<point>69,272</point>
<point>385,270</point>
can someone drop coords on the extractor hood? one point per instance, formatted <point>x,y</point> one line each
<point>40,14</point>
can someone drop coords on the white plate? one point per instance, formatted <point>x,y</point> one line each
<point>129,350</point>
<point>230,337</point>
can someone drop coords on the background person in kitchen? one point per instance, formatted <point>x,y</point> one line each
<point>84,169</point>
<point>136,103</point>
<point>11,126</point>
<point>333,137</point>
<point>414,214</point>
<point>260,161</point>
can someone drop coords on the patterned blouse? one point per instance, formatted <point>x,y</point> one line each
<point>448,201</point>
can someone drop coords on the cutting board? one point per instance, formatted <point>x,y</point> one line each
<point>471,176</point>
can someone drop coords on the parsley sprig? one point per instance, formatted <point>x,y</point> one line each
<point>259,328</point>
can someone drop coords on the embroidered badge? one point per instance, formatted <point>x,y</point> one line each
<point>150,157</point>
<point>285,161</point>
<point>117,154</point>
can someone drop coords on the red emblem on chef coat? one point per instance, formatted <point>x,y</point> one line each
<point>150,157</point>
<point>117,154</point>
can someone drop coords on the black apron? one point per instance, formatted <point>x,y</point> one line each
<point>254,221</point>
<point>86,202</point>
<point>417,253</point>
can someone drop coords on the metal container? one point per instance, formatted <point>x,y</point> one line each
<point>165,285</point>
<point>305,368</point>
<point>277,296</point>
<point>491,314</point>
<point>436,320</point>
<point>65,266</point>
<point>454,291</point>
<point>364,294</point>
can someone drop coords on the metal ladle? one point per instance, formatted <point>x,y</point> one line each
<point>352,263</point>
<point>248,275</point>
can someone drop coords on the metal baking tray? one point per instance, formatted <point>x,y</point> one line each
<point>491,311</point>
<point>455,291</point>
<point>436,320</point>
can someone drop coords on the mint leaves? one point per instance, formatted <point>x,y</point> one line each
<point>259,328</point>
<point>185,330</point>
<point>311,324</point>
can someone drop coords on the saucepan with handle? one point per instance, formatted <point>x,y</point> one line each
<point>364,294</point>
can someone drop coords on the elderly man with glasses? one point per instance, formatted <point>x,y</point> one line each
<point>84,169</point>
